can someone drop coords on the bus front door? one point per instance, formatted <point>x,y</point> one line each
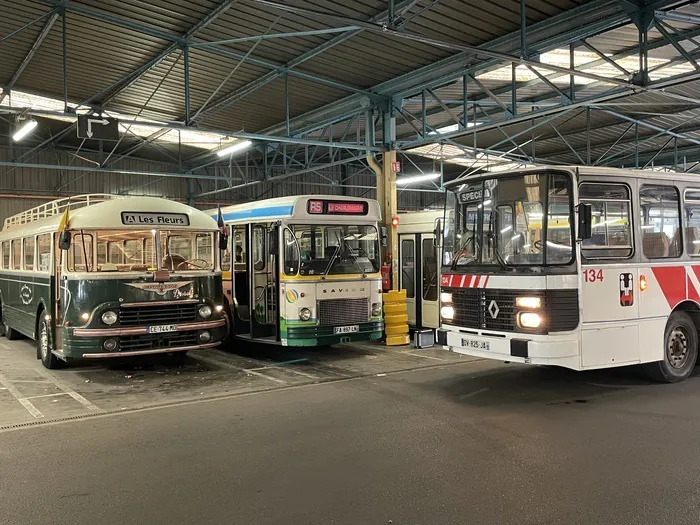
<point>262,260</point>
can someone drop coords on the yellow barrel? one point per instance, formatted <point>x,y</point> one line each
<point>395,318</point>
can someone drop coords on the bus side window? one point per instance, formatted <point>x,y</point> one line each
<point>16,254</point>
<point>204,247</point>
<point>612,226</point>
<point>6,255</point>
<point>101,253</point>
<point>661,233</point>
<point>28,243</point>
<point>259,248</point>
<point>692,223</point>
<point>44,252</point>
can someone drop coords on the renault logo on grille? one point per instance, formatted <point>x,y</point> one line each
<point>493,309</point>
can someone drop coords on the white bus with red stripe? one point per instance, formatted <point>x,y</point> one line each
<point>579,267</point>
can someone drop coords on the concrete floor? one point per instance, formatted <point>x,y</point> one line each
<point>375,436</point>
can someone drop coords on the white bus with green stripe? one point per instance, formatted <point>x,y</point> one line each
<point>303,270</point>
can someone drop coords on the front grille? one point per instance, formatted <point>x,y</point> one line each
<point>339,312</point>
<point>473,308</point>
<point>162,314</point>
<point>134,343</point>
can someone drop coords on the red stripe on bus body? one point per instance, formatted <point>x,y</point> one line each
<point>692,292</point>
<point>672,281</point>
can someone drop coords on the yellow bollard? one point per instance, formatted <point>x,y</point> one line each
<point>395,318</point>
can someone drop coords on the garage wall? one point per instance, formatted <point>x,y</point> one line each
<point>22,188</point>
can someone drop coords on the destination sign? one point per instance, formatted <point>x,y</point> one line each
<point>318,207</point>
<point>134,218</point>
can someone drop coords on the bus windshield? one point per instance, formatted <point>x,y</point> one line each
<point>510,221</point>
<point>140,251</point>
<point>334,250</point>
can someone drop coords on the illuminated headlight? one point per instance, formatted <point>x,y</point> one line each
<point>529,320</point>
<point>110,345</point>
<point>304,314</point>
<point>447,312</point>
<point>205,311</point>
<point>204,336</point>
<point>528,302</point>
<point>218,308</point>
<point>376,309</point>
<point>109,317</point>
<point>85,316</point>
<point>445,297</point>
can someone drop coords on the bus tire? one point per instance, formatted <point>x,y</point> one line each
<point>44,346</point>
<point>680,350</point>
<point>11,333</point>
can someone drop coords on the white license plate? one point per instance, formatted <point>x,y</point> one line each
<point>475,344</point>
<point>160,329</point>
<point>346,329</point>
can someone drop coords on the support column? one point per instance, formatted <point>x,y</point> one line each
<point>386,194</point>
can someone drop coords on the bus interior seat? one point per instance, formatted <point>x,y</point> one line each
<point>656,244</point>
<point>692,240</point>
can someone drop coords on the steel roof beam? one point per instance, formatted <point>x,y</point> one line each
<point>128,80</point>
<point>543,36</point>
<point>32,51</point>
<point>234,96</point>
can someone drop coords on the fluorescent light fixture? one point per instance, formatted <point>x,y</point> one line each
<point>515,237</point>
<point>24,130</point>
<point>234,148</point>
<point>417,178</point>
<point>506,229</point>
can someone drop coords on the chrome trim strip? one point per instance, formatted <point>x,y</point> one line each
<point>147,352</point>
<point>158,303</point>
<point>143,330</point>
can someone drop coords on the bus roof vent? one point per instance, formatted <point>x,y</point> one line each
<point>53,208</point>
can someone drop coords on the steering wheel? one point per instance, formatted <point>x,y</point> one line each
<point>173,261</point>
<point>193,262</point>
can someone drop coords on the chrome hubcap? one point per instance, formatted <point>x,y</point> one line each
<point>44,342</point>
<point>677,348</point>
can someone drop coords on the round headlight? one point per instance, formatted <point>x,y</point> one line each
<point>376,309</point>
<point>447,313</point>
<point>109,317</point>
<point>204,336</point>
<point>205,311</point>
<point>304,314</point>
<point>110,344</point>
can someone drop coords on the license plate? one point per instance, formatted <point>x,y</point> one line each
<point>346,329</point>
<point>475,344</point>
<point>160,329</point>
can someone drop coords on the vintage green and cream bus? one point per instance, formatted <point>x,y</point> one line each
<point>303,270</point>
<point>96,276</point>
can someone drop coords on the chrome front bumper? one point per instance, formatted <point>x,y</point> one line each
<point>143,330</point>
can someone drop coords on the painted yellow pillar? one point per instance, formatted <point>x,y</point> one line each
<point>386,194</point>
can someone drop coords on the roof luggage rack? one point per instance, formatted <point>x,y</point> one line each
<point>53,208</point>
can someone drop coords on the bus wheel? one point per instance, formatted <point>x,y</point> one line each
<point>680,350</point>
<point>48,359</point>
<point>11,333</point>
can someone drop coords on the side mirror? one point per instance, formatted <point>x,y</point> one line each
<point>383,235</point>
<point>585,221</point>
<point>223,241</point>
<point>64,240</point>
<point>438,233</point>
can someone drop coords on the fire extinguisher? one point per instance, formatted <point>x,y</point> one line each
<point>386,273</point>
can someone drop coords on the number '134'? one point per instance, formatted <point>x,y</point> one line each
<point>592,275</point>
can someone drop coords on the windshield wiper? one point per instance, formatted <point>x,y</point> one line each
<point>458,255</point>
<point>335,254</point>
